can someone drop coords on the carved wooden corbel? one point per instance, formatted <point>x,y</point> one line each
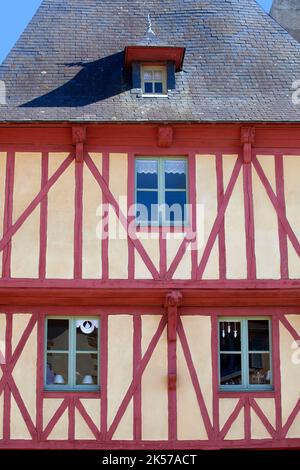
<point>165,136</point>
<point>79,139</point>
<point>247,141</point>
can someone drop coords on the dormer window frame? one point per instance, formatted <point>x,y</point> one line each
<point>153,67</point>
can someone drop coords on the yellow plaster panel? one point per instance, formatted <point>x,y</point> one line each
<point>266,227</point>
<point>20,322</point>
<point>92,224</point>
<point>235,227</point>
<point>18,428</point>
<point>120,358</point>
<point>118,168</point>
<point>117,248</point>
<point>92,407</point>
<point>26,248</point>
<point>291,165</point>
<point>60,236</point>
<point>50,406</point>
<point>149,326</point>
<point>27,181</point>
<point>267,162</point>
<point>154,389</point>
<point>125,429</point>
<point>267,405</point>
<point>211,271</point>
<point>150,242</point>
<point>183,271</point>
<point>190,424</point>
<point>82,431</point>
<point>258,430</point>
<point>290,377</point>
<point>237,431</point>
<point>25,370</point>
<point>294,431</point>
<point>295,322</point>
<point>198,334</point>
<point>206,186</point>
<point>226,407</point>
<point>60,430</point>
<point>55,160</point>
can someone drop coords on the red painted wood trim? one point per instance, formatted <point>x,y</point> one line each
<point>277,374</point>
<point>123,219</point>
<point>220,197</point>
<point>215,373</point>
<point>104,374</point>
<point>71,418</point>
<point>195,380</point>
<point>78,234</point>
<point>7,391</point>
<point>239,406</point>
<point>40,374</point>
<point>130,216</point>
<point>263,418</point>
<point>162,255</point>
<point>220,217</point>
<point>249,221</point>
<point>136,380</point>
<point>34,203</point>
<point>8,212</point>
<point>274,200</point>
<point>55,418</point>
<point>105,225</point>
<point>247,419</point>
<point>172,313</point>
<point>291,419</point>
<point>86,417</point>
<point>289,327</point>
<point>284,265</point>
<point>137,357</point>
<point>43,217</point>
<point>193,213</point>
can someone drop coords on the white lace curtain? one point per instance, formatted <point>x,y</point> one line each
<point>150,166</point>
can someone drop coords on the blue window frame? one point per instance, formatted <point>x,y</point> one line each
<point>245,354</point>
<point>72,354</point>
<point>161,191</point>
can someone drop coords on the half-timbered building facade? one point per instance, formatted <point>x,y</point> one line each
<point>150,228</point>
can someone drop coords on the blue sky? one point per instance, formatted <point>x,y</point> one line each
<point>15,14</point>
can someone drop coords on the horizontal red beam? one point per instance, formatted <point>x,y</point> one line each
<point>139,297</point>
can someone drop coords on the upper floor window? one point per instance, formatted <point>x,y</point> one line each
<point>161,191</point>
<point>154,80</point>
<point>245,360</point>
<point>71,354</point>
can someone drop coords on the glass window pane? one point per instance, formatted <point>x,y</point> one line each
<point>148,87</point>
<point>175,180</point>
<point>175,209</point>
<point>158,76</point>
<point>57,369</point>
<point>230,369</point>
<point>87,335</point>
<point>258,331</point>
<point>230,336</point>
<point>259,369</point>
<point>158,87</point>
<point>147,174</point>
<point>86,369</point>
<point>58,335</point>
<point>148,76</point>
<point>147,206</point>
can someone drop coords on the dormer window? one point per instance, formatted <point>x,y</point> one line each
<point>154,80</point>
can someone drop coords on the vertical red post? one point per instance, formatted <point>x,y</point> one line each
<point>43,217</point>
<point>173,302</point>
<point>7,391</point>
<point>105,224</point>
<point>137,357</point>
<point>284,268</point>
<point>220,196</point>
<point>8,211</point>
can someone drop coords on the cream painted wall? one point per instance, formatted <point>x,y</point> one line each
<point>291,165</point>
<point>2,195</point>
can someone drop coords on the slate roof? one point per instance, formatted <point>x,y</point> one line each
<point>68,64</point>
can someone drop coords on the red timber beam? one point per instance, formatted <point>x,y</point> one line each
<point>173,302</point>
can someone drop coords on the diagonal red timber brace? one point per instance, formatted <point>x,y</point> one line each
<point>247,141</point>
<point>173,302</point>
<point>79,139</point>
